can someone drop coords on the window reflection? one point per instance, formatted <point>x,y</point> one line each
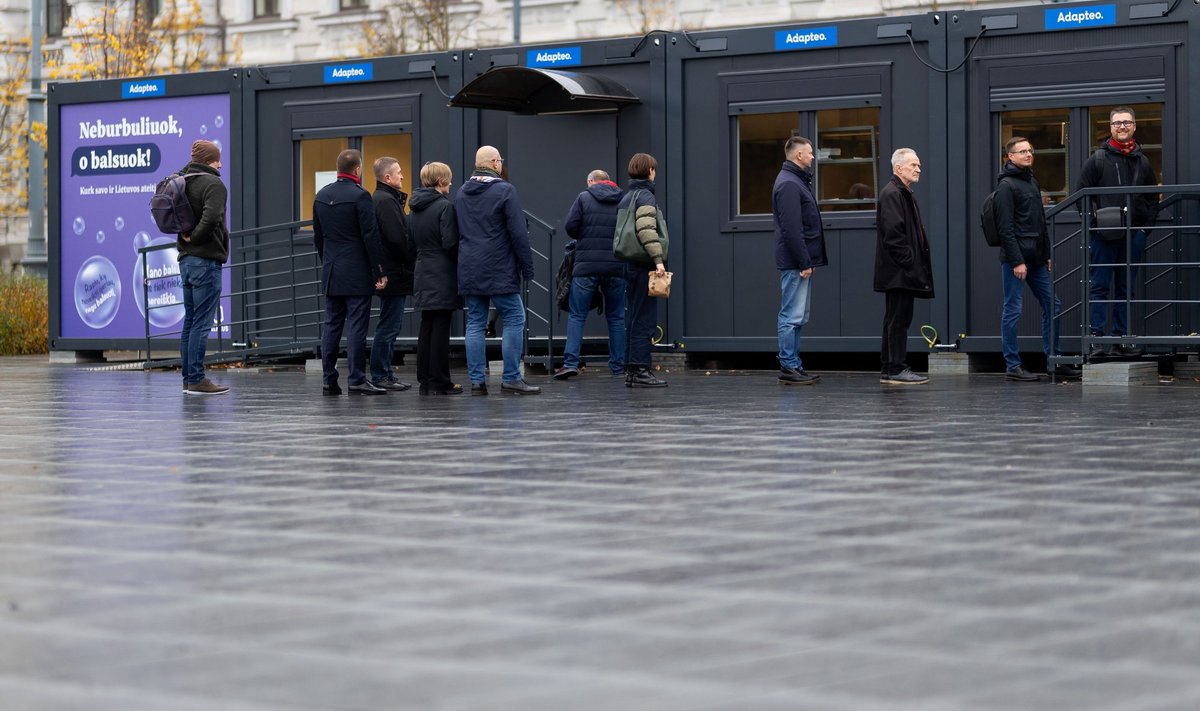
<point>847,165</point>
<point>760,139</point>
<point>1048,131</point>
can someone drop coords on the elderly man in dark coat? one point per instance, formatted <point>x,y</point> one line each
<point>398,260</point>
<point>493,255</point>
<point>347,241</point>
<point>903,271</point>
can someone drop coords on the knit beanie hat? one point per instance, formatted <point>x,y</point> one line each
<point>205,152</point>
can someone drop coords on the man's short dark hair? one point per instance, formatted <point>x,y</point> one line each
<point>792,144</point>
<point>1012,143</point>
<point>640,166</point>
<point>1122,110</point>
<point>348,160</point>
<point>383,165</point>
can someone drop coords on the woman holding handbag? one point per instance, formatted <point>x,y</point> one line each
<point>641,311</point>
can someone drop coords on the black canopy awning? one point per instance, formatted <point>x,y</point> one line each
<point>525,90</point>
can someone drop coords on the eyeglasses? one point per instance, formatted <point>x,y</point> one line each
<point>1026,152</point>
<point>497,159</point>
<point>1123,124</point>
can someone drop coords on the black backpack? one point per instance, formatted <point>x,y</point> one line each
<point>562,280</point>
<point>987,217</point>
<point>170,206</point>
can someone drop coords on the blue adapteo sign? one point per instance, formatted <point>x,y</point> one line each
<point>1073,18</point>
<point>143,88</point>
<point>343,73</point>
<point>556,57</point>
<point>807,38</point>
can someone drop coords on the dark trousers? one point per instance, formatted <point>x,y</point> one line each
<point>433,350</point>
<point>641,317</point>
<point>340,312</point>
<point>897,317</point>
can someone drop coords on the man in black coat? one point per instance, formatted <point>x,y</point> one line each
<point>1024,258</point>
<point>591,222</point>
<point>398,261</point>
<point>799,250</point>
<point>347,241</point>
<point>903,270</point>
<point>1119,161</point>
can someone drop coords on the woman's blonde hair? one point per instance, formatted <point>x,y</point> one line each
<point>434,174</point>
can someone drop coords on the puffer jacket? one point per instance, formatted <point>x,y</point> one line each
<point>592,221</point>
<point>646,217</point>
<point>799,234</point>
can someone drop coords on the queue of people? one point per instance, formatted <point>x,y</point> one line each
<point>473,252</point>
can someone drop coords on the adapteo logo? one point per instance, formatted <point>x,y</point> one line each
<point>349,72</point>
<point>807,38</point>
<point>143,89</point>
<point>557,57</point>
<point>114,160</point>
<point>1095,16</point>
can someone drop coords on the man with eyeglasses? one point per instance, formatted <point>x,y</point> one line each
<point>1119,161</point>
<point>493,256</point>
<point>1025,259</point>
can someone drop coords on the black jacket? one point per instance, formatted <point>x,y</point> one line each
<point>393,233</point>
<point>592,222</point>
<point>799,234</point>
<point>901,255</point>
<point>207,195</point>
<point>347,239</point>
<point>1115,168</point>
<point>434,233</point>
<point>493,246</point>
<point>1020,218</point>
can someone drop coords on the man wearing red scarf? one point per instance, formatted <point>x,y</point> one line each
<point>1119,161</point>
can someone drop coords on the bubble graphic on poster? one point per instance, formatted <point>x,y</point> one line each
<point>119,223</point>
<point>97,292</point>
<point>78,226</point>
<point>219,121</point>
<point>203,129</point>
<point>218,145</point>
<point>100,237</point>
<point>164,284</point>
<point>141,239</point>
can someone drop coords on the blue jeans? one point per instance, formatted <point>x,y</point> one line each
<point>512,315</point>
<point>391,316</point>
<point>201,294</point>
<point>1040,283</point>
<point>641,317</point>
<point>794,308</point>
<point>580,301</point>
<point>1103,252</point>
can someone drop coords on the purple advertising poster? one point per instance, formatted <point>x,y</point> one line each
<point>112,156</point>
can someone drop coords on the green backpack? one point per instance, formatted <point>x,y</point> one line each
<point>626,246</point>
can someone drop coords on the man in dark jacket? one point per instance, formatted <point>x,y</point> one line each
<point>903,270</point>
<point>591,222</point>
<point>201,254</point>
<point>398,259</point>
<point>1119,161</point>
<point>1024,258</point>
<point>799,249</point>
<point>347,240</point>
<point>493,256</point>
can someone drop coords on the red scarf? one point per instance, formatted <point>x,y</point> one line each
<point>608,182</point>
<point>1124,148</point>
<point>350,176</point>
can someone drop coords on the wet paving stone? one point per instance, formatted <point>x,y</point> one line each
<point>725,543</point>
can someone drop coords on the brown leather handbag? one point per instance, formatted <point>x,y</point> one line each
<point>660,285</point>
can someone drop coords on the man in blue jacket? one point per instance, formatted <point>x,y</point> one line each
<point>591,222</point>
<point>493,256</point>
<point>347,241</point>
<point>799,249</point>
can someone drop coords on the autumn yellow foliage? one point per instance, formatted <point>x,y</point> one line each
<point>24,315</point>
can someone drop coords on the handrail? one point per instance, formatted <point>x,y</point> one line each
<point>548,319</point>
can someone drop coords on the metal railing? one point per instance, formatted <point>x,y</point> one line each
<point>546,291</point>
<point>1158,299</point>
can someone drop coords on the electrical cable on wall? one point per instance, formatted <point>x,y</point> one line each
<point>957,66</point>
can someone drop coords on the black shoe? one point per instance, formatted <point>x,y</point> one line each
<point>392,384</point>
<point>331,389</point>
<point>520,387</point>
<point>1097,351</point>
<point>1021,375</point>
<point>793,376</point>
<point>565,372</point>
<point>1120,349</point>
<point>366,387</point>
<point>645,379</point>
<point>1068,372</point>
<point>479,388</point>
<point>451,389</point>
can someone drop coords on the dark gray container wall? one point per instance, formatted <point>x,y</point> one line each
<point>1024,66</point>
<point>548,157</point>
<point>288,104</point>
<point>730,285</point>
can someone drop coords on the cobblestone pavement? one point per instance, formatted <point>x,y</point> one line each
<point>727,543</point>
